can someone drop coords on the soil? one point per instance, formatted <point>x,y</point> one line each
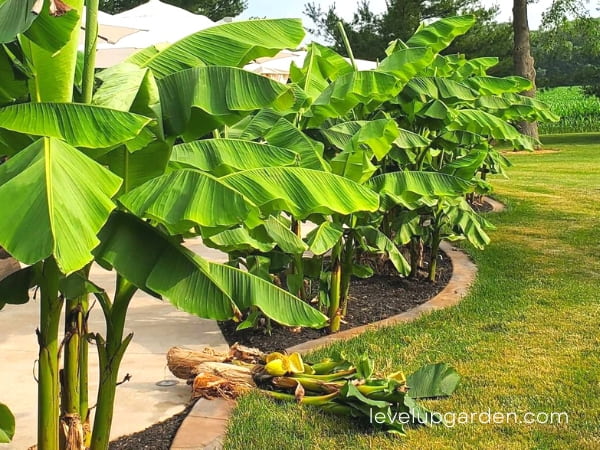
<point>480,206</point>
<point>372,299</point>
<point>157,437</point>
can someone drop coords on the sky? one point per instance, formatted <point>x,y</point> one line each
<point>294,8</point>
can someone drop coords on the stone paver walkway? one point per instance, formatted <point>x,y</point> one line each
<point>156,325</point>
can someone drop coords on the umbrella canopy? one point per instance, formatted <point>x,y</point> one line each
<point>158,23</point>
<point>152,23</point>
<point>278,67</point>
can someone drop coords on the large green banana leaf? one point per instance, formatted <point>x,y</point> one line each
<point>321,66</point>
<point>55,200</point>
<point>199,100</point>
<point>409,188</point>
<point>223,156</point>
<point>470,225</point>
<point>324,237</point>
<point>185,198</point>
<point>440,34</point>
<point>466,166</point>
<point>376,135</point>
<point>487,85</point>
<point>153,262</point>
<point>370,88</point>
<point>404,64</point>
<point>302,192</point>
<point>232,44</point>
<point>374,240</point>
<point>280,132</point>
<point>263,238</point>
<point>77,124</point>
<point>16,16</point>
<point>486,124</point>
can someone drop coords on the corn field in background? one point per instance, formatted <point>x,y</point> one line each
<point>579,112</point>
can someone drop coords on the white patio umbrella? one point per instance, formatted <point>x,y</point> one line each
<point>278,67</point>
<point>154,22</point>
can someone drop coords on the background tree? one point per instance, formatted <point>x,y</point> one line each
<point>370,33</point>
<point>569,55</point>
<point>213,9</point>
<point>524,64</point>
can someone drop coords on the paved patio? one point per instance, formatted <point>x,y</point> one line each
<point>156,325</point>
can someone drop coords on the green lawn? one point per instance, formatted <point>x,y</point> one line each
<point>527,338</point>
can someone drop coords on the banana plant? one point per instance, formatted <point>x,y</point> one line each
<point>46,181</point>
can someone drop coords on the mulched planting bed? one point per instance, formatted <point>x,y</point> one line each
<point>372,299</point>
<point>156,437</point>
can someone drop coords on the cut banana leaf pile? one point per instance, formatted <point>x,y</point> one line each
<point>336,385</point>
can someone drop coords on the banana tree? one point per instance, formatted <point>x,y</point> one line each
<point>46,182</point>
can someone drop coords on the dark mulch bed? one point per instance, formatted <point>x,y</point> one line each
<point>157,437</point>
<point>481,206</point>
<point>372,299</point>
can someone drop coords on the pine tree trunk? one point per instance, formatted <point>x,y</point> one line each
<point>524,64</point>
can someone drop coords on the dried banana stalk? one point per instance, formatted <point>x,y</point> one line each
<point>182,362</point>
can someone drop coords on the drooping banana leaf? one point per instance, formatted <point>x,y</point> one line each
<point>238,240</point>
<point>280,132</point>
<point>466,166</point>
<point>375,135</point>
<point>487,85</point>
<point>440,34</point>
<point>185,198</point>
<point>77,124</point>
<point>232,44</point>
<point>199,100</point>
<point>14,289</point>
<point>324,237</point>
<point>57,199</point>
<point>302,192</point>
<point>288,241</point>
<point>409,188</point>
<point>224,156</point>
<point>485,124</point>
<point>378,242</point>
<point>369,88</point>
<point>192,284</point>
<point>432,381</point>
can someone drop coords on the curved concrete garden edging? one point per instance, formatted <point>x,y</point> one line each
<point>205,426</point>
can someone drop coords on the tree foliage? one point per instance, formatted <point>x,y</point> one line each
<point>370,33</point>
<point>213,9</point>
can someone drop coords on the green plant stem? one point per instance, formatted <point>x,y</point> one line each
<point>48,383</point>
<point>435,250</point>
<point>110,354</point>
<point>346,42</point>
<point>347,262</point>
<point>91,39</point>
<point>71,424</point>
<point>334,313</point>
